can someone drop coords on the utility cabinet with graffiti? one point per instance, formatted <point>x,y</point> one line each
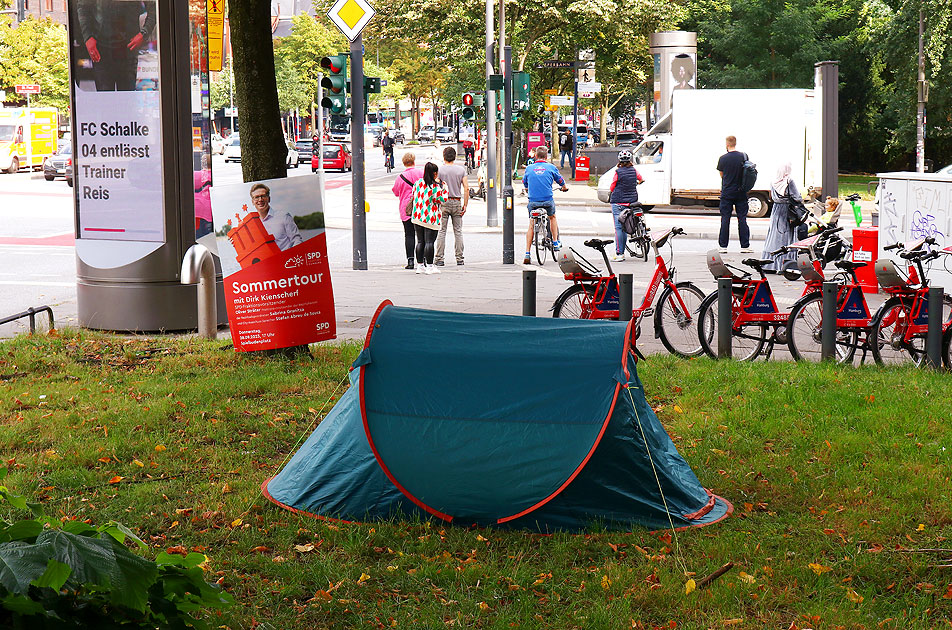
<point>913,206</point>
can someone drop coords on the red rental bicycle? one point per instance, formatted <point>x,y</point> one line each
<point>899,328</point>
<point>753,311</point>
<point>595,296</point>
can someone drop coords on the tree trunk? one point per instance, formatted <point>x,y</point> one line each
<point>554,135</point>
<point>263,152</point>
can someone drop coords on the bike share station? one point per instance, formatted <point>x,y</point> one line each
<point>141,163</point>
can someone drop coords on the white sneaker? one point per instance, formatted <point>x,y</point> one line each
<point>722,250</point>
<point>431,269</point>
<point>618,258</point>
<point>746,250</point>
<point>419,268</point>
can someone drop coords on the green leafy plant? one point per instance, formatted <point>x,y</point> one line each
<point>74,575</point>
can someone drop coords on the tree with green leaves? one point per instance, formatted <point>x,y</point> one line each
<point>36,51</point>
<point>263,148</point>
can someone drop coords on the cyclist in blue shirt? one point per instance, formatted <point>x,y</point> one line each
<point>538,180</point>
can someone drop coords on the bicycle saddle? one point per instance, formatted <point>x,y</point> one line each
<point>598,243</point>
<point>849,265</point>
<point>757,263</point>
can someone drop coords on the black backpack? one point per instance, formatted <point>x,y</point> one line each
<point>749,176</point>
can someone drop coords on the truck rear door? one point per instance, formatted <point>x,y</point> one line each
<point>653,163</point>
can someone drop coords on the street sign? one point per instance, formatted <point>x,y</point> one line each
<point>589,87</point>
<point>586,75</point>
<point>351,16</point>
<point>586,94</point>
<point>555,63</point>
<point>383,82</point>
<point>231,112</point>
<point>561,100</point>
<point>550,92</point>
<point>216,32</point>
<point>28,89</point>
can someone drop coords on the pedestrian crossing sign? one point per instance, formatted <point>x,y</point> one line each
<point>351,16</point>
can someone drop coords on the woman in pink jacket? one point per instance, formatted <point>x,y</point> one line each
<point>403,190</point>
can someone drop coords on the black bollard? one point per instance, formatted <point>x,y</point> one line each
<point>934,334</point>
<point>724,318</point>
<point>624,296</point>
<point>828,326</point>
<point>529,292</point>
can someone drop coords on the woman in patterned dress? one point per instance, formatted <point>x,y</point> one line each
<point>429,194</point>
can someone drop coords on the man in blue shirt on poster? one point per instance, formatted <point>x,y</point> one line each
<point>538,180</point>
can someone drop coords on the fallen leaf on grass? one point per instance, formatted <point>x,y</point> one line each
<point>948,592</point>
<point>819,569</point>
<point>116,479</point>
<point>323,596</point>
<point>689,587</point>
<point>236,522</point>
<point>732,622</point>
<point>853,596</point>
<point>138,463</point>
<point>746,577</point>
<point>261,549</point>
<point>606,583</point>
<point>304,548</point>
<point>483,606</point>
<point>177,550</point>
<point>159,448</point>
<point>921,528</point>
<point>363,578</point>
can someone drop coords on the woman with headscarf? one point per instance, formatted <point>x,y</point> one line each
<point>780,234</point>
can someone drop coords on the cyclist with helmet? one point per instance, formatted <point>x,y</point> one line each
<point>537,182</point>
<point>624,193</point>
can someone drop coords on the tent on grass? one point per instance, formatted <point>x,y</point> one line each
<point>526,422</point>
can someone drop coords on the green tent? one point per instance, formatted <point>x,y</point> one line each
<point>494,420</point>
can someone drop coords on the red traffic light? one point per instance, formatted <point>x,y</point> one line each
<point>468,99</point>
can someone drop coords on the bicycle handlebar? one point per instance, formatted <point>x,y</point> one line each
<point>893,246</point>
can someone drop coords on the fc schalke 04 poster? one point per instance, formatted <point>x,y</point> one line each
<point>270,238</point>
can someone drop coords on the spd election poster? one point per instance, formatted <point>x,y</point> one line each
<point>270,238</point>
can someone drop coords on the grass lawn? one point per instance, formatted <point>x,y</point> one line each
<point>850,184</point>
<point>837,474</point>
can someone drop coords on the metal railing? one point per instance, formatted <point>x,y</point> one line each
<point>31,313</point>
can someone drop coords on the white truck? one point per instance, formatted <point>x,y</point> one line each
<point>678,157</point>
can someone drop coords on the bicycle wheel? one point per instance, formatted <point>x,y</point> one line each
<point>746,341</point>
<point>569,304</point>
<point>540,230</point>
<point>887,332</point>
<point>804,330</point>
<point>643,242</point>
<point>637,248</point>
<point>677,327</point>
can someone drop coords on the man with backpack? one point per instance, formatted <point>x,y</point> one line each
<point>734,189</point>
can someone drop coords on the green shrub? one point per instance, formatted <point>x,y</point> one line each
<point>313,221</point>
<point>74,575</point>
<point>413,142</point>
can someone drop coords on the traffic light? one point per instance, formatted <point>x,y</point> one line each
<point>469,106</point>
<point>371,85</point>
<point>520,91</point>
<point>335,83</point>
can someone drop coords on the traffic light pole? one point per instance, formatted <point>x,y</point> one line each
<point>508,234</point>
<point>491,219</point>
<point>357,149</point>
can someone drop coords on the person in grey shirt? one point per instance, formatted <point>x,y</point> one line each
<point>280,225</point>
<point>454,176</point>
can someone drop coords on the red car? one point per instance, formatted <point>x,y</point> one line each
<point>336,155</point>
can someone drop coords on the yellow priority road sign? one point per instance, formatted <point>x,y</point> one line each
<point>351,16</point>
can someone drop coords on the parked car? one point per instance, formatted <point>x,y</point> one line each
<point>628,139</point>
<point>55,165</point>
<point>336,155</point>
<point>305,147</point>
<point>294,159</point>
<point>446,134</point>
<point>233,150</point>
<point>218,144</point>
<point>398,137</point>
<point>945,171</point>
<point>426,134</point>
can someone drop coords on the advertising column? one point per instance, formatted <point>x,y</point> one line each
<point>133,161</point>
<point>675,66</point>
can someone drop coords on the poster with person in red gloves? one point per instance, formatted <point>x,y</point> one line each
<point>270,238</point>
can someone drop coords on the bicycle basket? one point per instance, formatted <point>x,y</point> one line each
<point>809,272</point>
<point>716,265</point>
<point>570,261</point>
<point>888,275</point>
